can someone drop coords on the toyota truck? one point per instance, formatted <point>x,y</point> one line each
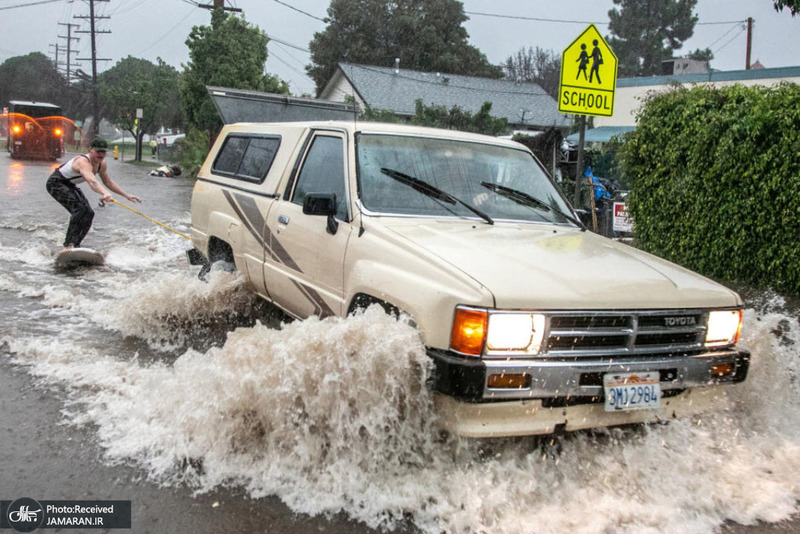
<point>533,324</point>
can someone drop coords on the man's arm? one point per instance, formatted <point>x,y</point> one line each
<point>111,184</point>
<point>84,167</point>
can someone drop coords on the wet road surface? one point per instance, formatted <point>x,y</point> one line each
<point>47,456</point>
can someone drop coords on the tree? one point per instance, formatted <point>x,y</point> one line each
<point>793,5</point>
<point>426,35</point>
<point>701,55</point>
<point>435,116</point>
<point>539,66</point>
<point>229,53</point>
<point>32,77</point>
<point>646,32</point>
<point>139,84</point>
<point>457,119</point>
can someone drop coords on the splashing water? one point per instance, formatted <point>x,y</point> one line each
<point>334,415</point>
<point>180,377</point>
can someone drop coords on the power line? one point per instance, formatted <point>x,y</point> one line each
<point>567,21</point>
<point>300,11</point>
<point>288,44</point>
<point>536,19</point>
<point>730,41</point>
<point>721,22</point>
<point>29,4</point>
<point>188,14</point>
<point>724,34</point>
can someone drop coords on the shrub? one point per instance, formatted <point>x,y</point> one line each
<point>193,150</point>
<point>716,181</point>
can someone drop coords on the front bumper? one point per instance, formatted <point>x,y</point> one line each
<point>580,380</point>
<point>529,417</point>
<point>569,394</point>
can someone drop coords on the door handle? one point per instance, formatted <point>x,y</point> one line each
<point>283,219</point>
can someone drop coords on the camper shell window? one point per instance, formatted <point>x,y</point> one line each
<point>247,158</point>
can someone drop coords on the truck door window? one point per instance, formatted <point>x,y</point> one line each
<point>323,172</point>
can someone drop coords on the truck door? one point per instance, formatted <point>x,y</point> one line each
<point>304,265</point>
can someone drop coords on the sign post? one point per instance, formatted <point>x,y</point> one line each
<point>587,86</point>
<point>139,115</point>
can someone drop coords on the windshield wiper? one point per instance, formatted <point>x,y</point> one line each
<point>520,197</point>
<point>432,191</point>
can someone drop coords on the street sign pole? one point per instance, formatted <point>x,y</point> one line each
<point>139,115</point>
<point>576,199</point>
<point>587,86</point>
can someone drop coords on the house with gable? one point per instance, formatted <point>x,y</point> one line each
<point>632,91</point>
<point>526,106</point>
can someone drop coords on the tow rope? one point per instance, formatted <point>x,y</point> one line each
<point>102,204</point>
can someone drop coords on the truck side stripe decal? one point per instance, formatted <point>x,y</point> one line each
<point>248,212</point>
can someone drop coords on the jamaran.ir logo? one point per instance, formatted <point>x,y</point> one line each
<point>25,515</point>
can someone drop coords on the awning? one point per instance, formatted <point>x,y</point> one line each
<point>602,134</point>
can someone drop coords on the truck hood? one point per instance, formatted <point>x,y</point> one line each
<point>553,267</point>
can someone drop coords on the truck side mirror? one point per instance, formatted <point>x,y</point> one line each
<point>322,204</point>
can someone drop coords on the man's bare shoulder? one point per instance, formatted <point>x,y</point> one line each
<point>81,163</point>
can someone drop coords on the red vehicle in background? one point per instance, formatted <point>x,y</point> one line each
<point>35,130</point>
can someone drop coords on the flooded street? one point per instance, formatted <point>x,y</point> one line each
<point>137,381</point>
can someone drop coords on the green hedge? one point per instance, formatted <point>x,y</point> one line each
<point>715,176</point>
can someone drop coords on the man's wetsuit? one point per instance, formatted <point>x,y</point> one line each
<point>62,186</point>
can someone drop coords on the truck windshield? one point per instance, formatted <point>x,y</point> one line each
<point>479,174</point>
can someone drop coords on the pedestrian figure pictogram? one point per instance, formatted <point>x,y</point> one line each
<point>588,76</point>
<point>597,60</point>
<point>584,60</point>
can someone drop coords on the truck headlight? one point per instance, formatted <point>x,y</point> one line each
<point>515,332</point>
<point>724,328</point>
<point>476,328</point>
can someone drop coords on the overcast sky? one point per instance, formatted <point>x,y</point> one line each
<point>158,28</point>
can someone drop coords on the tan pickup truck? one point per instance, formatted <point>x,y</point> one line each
<point>533,323</point>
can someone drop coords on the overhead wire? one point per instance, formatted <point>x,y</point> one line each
<point>566,21</point>
<point>296,47</point>
<point>300,11</point>
<point>724,34</point>
<point>28,4</point>
<point>731,40</point>
<point>124,7</point>
<point>188,14</point>
<point>536,19</point>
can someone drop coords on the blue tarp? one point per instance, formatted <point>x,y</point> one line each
<point>602,134</point>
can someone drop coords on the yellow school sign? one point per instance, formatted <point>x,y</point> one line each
<point>588,76</point>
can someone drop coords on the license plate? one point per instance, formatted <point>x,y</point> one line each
<point>632,391</point>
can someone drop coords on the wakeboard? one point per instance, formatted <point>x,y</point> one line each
<point>76,257</point>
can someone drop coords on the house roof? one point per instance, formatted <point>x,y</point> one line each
<point>397,90</point>
<point>712,76</point>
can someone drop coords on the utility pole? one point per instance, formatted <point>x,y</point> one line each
<point>56,50</point>
<point>219,4</point>
<point>94,59</point>
<point>749,42</point>
<point>69,39</point>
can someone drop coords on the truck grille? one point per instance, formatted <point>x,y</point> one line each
<point>572,334</point>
